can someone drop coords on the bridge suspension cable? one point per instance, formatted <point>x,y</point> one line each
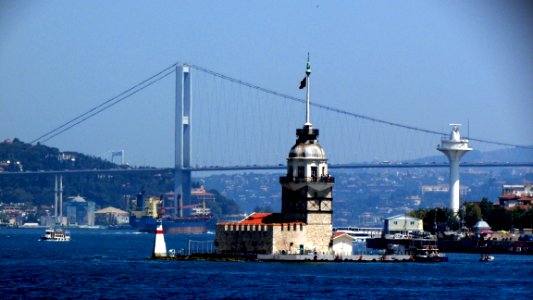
<point>106,104</point>
<point>340,111</point>
<point>171,69</point>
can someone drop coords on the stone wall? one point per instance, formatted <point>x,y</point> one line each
<point>234,238</point>
<point>290,238</point>
<point>319,237</point>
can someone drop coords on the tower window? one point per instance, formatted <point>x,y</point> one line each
<point>300,171</point>
<point>314,171</point>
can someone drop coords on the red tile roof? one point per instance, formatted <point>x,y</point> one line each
<point>508,197</point>
<point>272,219</point>
<point>516,197</point>
<point>255,219</point>
<point>338,234</point>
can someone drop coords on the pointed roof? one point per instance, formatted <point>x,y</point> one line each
<point>339,234</point>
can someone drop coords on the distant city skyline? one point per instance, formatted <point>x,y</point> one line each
<point>416,63</point>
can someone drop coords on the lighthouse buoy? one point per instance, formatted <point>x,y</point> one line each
<point>160,247</point>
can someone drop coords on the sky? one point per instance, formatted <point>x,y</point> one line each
<point>420,63</point>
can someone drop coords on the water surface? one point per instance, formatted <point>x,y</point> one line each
<point>114,264</point>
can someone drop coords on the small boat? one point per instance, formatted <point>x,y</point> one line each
<point>486,257</point>
<point>428,254</point>
<point>55,235</point>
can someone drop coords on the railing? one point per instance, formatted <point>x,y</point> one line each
<point>291,179</point>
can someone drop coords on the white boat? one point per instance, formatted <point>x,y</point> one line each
<point>55,235</point>
<point>486,257</point>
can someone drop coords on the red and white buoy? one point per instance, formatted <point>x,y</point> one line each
<point>160,247</point>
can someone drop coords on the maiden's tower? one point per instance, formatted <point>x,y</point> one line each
<point>304,225</point>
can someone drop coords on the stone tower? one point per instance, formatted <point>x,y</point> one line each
<point>307,187</point>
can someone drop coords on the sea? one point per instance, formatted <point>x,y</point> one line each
<point>114,264</point>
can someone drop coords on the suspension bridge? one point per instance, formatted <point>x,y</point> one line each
<point>235,125</point>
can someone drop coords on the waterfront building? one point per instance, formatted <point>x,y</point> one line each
<point>304,224</point>
<point>80,211</point>
<point>516,195</point>
<point>402,226</point>
<point>342,244</point>
<point>111,216</point>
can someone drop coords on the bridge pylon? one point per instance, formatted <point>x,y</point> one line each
<point>183,138</point>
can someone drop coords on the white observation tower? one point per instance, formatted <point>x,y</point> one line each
<point>454,148</point>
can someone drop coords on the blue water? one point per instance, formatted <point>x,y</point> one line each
<point>112,264</point>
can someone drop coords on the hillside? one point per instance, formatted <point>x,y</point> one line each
<point>104,190</point>
<point>475,156</point>
<point>19,156</point>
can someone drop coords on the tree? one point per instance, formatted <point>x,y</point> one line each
<point>523,218</point>
<point>437,219</point>
<point>472,214</point>
<point>419,213</point>
<point>500,219</point>
<point>486,208</point>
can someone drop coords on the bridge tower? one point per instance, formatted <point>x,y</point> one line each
<point>182,171</point>
<point>454,148</point>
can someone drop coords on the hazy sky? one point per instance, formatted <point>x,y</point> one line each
<point>422,63</point>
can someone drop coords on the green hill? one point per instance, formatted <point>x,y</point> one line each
<point>103,189</point>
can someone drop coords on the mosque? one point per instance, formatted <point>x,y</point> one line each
<point>304,225</point>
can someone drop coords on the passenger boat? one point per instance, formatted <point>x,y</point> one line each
<point>428,254</point>
<point>55,235</point>
<point>486,257</point>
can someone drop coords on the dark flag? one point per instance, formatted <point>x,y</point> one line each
<point>302,83</point>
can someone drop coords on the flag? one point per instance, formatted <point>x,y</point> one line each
<point>303,82</point>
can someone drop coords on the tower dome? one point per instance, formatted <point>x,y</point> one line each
<point>308,150</point>
<point>307,146</point>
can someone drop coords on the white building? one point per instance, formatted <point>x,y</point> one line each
<point>80,211</point>
<point>342,244</point>
<point>402,225</point>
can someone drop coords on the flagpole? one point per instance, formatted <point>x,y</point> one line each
<point>307,98</point>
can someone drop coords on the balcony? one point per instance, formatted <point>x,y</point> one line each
<point>324,179</point>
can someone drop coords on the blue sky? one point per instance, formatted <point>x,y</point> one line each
<point>422,63</point>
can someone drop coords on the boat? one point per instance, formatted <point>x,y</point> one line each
<point>428,254</point>
<point>191,224</point>
<point>53,234</point>
<point>200,219</point>
<point>486,258</point>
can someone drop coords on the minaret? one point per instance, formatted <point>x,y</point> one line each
<point>454,149</point>
<point>307,188</point>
